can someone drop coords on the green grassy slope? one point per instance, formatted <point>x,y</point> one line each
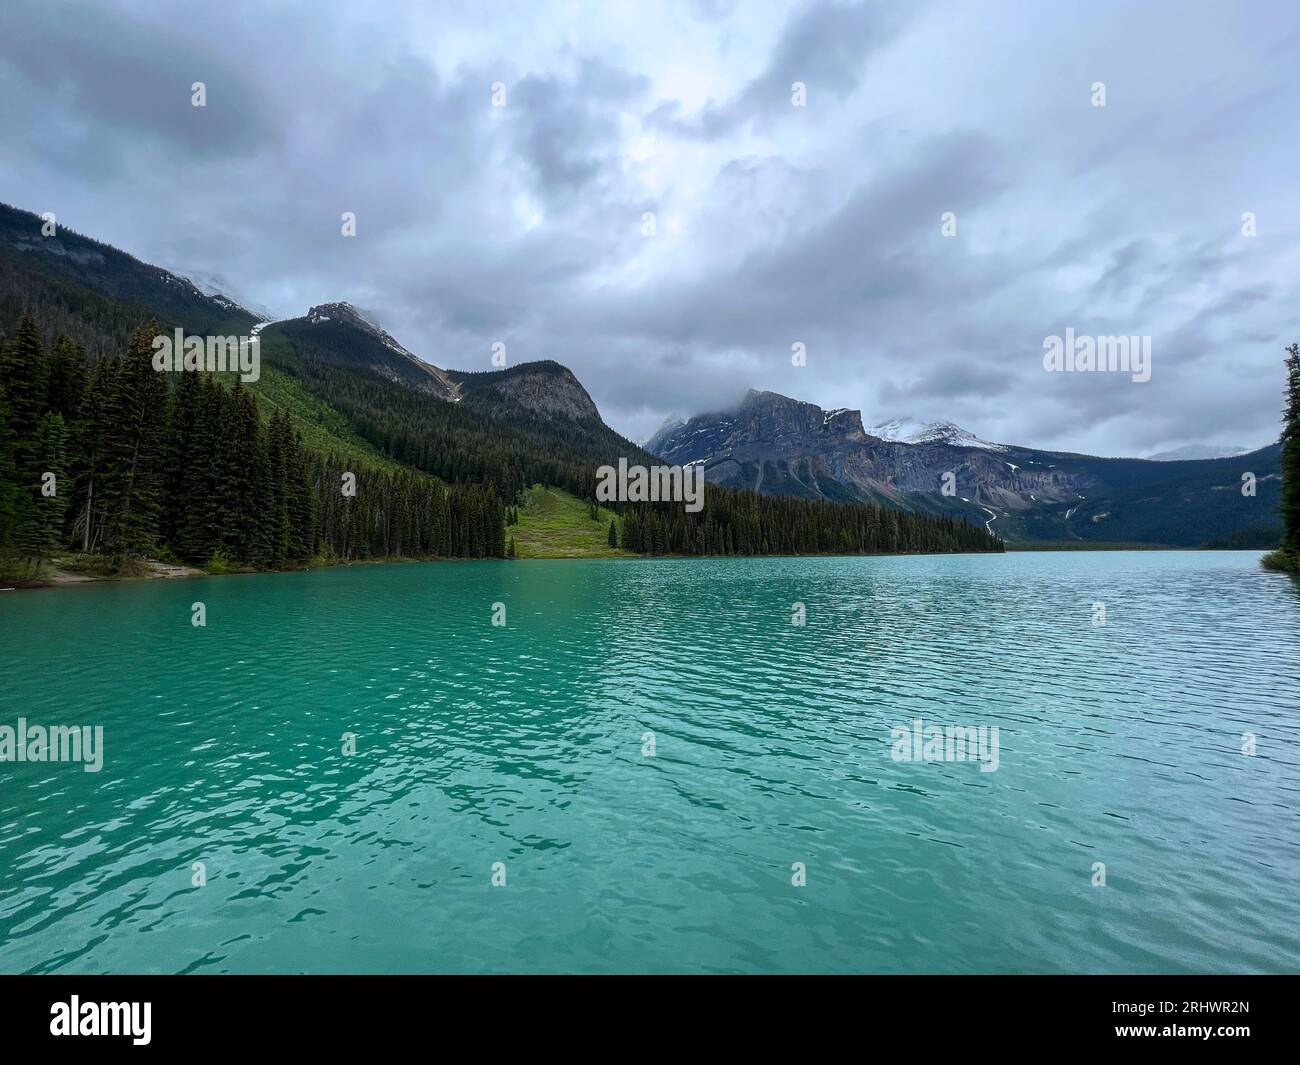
<point>323,428</point>
<point>556,524</point>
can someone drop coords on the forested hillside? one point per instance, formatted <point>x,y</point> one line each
<point>338,451</point>
<point>115,459</point>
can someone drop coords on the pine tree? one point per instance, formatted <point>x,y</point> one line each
<point>10,488</point>
<point>66,383</point>
<point>90,447</point>
<point>512,548</point>
<point>24,371</point>
<point>133,472</point>
<point>1288,556</point>
<point>613,533</point>
<point>51,502</point>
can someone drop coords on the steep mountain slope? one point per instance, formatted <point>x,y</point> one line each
<point>339,328</point>
<point>63,268</point>
<point>783,446</point>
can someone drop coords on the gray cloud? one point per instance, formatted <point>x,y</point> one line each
<point>773,224</point>
<point>824,44</point>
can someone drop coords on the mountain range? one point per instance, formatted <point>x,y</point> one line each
<point>776,444</point>
<point>351,388</point>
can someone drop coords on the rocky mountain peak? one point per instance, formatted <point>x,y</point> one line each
<point>545,387</point>
<point>429,378</point>
<point>345,312</point>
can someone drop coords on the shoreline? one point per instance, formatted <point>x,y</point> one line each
<point>174,571</point>
<point>168,571</point>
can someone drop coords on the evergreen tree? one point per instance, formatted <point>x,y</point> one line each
<point>10,487</point>
<point>90,448</point>
<point>66,383</point>
<point>1288,555</point>
<point>613,533</point>
<point>24,370</point>
<point>134,466</point>
<point>51,501</point>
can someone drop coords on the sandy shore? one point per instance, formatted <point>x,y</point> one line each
<point>56,576</point>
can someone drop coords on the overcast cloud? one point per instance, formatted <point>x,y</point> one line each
<point>774,224</point>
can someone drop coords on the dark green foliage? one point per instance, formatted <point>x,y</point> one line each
<point>1265,537</point>
<point>613,533</point>
<point>131,495</point>
<point>23,371</point>
<point>190,468</point>
<point>10,487</point>
<point>51,500</point>
<point>748,523</point>
<point>1290,507</point>
<point>1287,556</point>
<point>66,383</point>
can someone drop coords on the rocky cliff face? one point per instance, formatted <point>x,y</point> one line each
<point>543,387</point>
<point>341,333</point>
<point>776,444</point>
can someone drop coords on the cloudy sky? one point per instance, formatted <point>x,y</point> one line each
<point>773,224</point>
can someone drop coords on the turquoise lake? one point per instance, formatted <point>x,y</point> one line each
<point>523,744</point>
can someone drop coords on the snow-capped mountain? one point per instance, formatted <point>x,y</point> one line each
<point>909,430</point>
<point>781,446</point>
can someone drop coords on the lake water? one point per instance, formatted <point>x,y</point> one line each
<point>524,744</point>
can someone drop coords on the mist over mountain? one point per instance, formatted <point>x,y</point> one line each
<point>1197,451</point>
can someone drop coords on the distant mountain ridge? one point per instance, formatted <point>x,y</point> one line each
<point>779,445</point>
<point>1197,451</point>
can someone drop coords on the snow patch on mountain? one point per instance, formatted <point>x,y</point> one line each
<point>216,287</point>
<point>908,430</point>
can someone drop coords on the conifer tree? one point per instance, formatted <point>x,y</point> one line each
<point>67,379</point>
<point>10,488</point>
<point>90,446</point>
<point>51,505</point>
<point>24,370</point>
<point>613,533</point>
<point>133,471</point>
<point>1287,557</point>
